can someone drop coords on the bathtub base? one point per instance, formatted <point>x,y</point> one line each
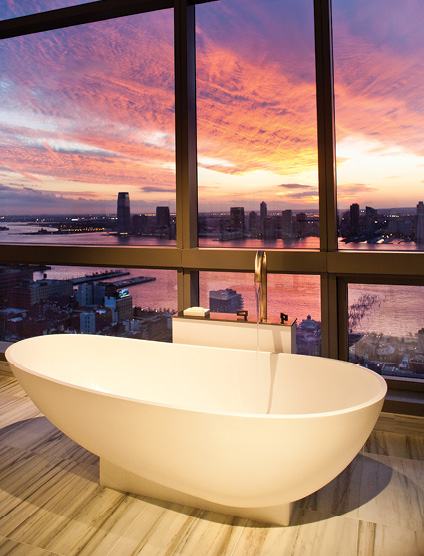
<point>115,477</point>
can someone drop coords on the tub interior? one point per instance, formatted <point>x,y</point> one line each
<point>199,378</point>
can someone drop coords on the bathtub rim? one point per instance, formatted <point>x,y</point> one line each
<point>371,401</point>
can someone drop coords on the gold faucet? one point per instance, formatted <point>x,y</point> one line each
<point>260,276</point>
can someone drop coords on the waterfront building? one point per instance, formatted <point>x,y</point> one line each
<point>263,210</point>
<point>263,215</point>
<point>11,277</point>
<point>139,224</point>
<point>370,220</point>
<point>254,224</point>
<point>90,293</point>
<point>354,219</point>
<point>287,224</point>
<point>270,228</point>
<point>225,301</point>
<point>162,217</point>
<point>27,294</point>
<point>123,213</point>
<point>419,234</point>
<point>120,302</point>
<point>237,220</point>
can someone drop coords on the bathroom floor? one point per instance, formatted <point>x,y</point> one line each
<point>51,503</point>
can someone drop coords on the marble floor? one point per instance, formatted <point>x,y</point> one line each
<point>51,503</point>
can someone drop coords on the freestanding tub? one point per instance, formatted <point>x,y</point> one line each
<point>233,431</point>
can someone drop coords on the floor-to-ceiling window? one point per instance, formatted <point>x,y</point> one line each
<point>256,124</point>
<point>88,134</point>
<point>256,105</point>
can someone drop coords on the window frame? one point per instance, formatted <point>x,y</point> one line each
<point>335,268</point>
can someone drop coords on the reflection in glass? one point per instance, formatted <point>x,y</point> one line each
<point>298,296</point>
<point>37,300</point>
<point>386,328</point>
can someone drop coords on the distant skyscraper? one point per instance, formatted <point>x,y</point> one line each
<point>124,215</point>
<point>162,216</point>
<point>139,224</point>
<point>354,219</point>
<point>254,224</point>
<point>370,220</point>
<point>263,215</point>
<point>419,234</point>
<point>237,219</point>
<point>287,223</point>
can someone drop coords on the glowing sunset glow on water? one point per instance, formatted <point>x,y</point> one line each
<point>88,111</point>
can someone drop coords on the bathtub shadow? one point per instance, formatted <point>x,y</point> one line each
<point>343,495</point>
<point>351,489</point>
<point>355,486</point>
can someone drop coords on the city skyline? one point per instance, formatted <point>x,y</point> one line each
<point>84,115</point>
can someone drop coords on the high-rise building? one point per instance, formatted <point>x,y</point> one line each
<point>120,302</point>
<point>370,220</point>
<point>139,224</point>
<point>162,216</point>
<point>11,277</point>
<point>254,224</point>
<point>287,224</point>
<point>124,215</point>
<point>237,219</point>
<point>419,233</point>
<point>354,219</point>
<point>264,210</point>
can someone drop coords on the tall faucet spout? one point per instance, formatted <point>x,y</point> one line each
<point>261,277</point>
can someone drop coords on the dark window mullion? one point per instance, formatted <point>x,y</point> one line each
<point>325,125</point>
<point>77,15</point>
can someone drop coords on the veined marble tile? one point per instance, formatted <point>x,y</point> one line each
<point>395,444</point>
<point>91,527</point>
<point>176,530</point>
<point>30,483</point>
<point>392,491</point>
<point>212,535</point>
<point>340,496</point>
<point>383,540</point>
<point>13,548</point>
<point>10,390</point>
<point>17,411</point>
<point>65,512</point>
<point>40,436</point>
<point>160,529</point>
<point>385,422</point>
<point>409,424</point>
<point>336,536</point>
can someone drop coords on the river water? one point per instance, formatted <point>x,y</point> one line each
<point>395,310</point>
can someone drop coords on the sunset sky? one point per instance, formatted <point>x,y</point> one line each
<point>88,111</point>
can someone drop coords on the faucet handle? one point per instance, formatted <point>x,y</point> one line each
<point>284,318</point>
<point>242,313</point>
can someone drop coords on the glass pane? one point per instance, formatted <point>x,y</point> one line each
<point>256,114</point>
<point>379,92</point>
<point>87,134</point>
<point>386,329</point>
<point>14,8</point>
<point>136,303</point>
<point>298,296</point>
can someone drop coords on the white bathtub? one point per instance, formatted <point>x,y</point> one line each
<point>227,430</point>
